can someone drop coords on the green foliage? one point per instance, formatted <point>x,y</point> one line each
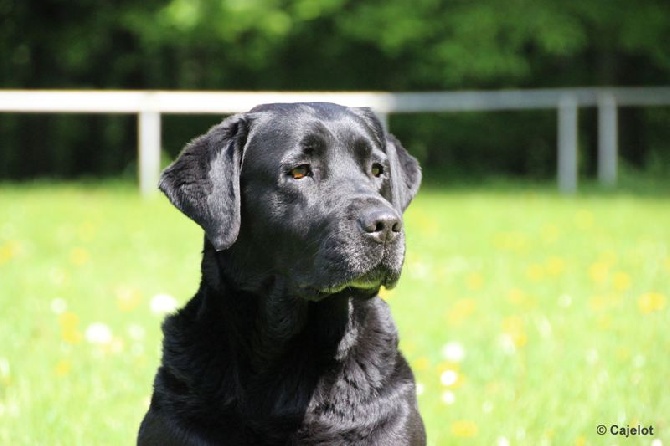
<point>324,45</point>
<point>560,312</point>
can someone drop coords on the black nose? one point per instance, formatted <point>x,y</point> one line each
<point>381,225</point>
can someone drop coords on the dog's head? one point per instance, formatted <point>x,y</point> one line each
<point>312,193</point>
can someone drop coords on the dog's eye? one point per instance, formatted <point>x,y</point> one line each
<point>377,170</point>
<point>300,172</point>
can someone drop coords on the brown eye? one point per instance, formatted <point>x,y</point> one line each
<point>300,172</point>
<point>377,170</point>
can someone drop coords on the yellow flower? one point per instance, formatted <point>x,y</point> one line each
<point>427,224</point>
<point>9,250</point>
<point>68,319</point>
<point>127,299</point>
<point>63,368</point>
<point>461,310</point>
<point>604,322</point>
<point>464,428</point>
<point>474,280</point>
<point>623,354</point>
<point>421,363</point>
<point>516,296</point>
<point>514,332</point>
<point>621,281</point>
<point>535,272</point>
<point>86,231</point>
<point>555,266</point>
<point>599,272</point>
<point>79,256</point>
<point>69,322</point>
<point>651,302</point>
<point>384,293</point>
<point>407,347</point>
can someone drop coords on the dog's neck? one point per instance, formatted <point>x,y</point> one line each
<point>330,326</point>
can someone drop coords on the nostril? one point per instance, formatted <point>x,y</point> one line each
<point>381,225</point>
<point>370,226</point>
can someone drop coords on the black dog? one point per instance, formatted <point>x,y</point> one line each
<point>286,341</point>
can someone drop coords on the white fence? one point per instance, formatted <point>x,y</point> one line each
<point>149,105</point>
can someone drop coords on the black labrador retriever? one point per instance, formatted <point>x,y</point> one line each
<point>286,341</point>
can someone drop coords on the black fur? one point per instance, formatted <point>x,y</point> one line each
<point>286,341</point>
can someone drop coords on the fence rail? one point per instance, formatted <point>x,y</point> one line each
<point>149,105</point>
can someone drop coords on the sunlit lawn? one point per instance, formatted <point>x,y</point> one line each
<point>529,318</point>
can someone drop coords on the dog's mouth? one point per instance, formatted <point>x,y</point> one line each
<point>361,273</point>
<point>367,284</point>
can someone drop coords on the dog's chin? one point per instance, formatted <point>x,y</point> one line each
<point>363,285</point>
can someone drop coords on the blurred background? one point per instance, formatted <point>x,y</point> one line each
<point>297,45</point>
<point>529,316</point>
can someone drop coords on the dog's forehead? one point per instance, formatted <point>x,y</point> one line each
<point>278,128</point>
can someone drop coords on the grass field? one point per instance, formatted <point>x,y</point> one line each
<point>529,318</point>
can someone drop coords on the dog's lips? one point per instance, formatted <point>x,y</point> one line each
<point>380,275</point>
<point>374,266</point>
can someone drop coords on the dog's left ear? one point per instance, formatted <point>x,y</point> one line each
<point>405,173</point>
<point>405,170</point>
<point>204,181</point>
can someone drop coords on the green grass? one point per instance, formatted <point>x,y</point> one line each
<point>560,305</point>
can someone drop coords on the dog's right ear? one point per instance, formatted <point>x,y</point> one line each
<point>204,181</point>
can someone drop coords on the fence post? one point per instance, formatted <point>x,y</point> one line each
<point>567,144</point>
<point>607,139</point>
<point>149,131</point>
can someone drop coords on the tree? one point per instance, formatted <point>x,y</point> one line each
<point>391,45</point>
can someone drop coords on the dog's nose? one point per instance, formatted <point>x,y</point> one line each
<point>382,225</point>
